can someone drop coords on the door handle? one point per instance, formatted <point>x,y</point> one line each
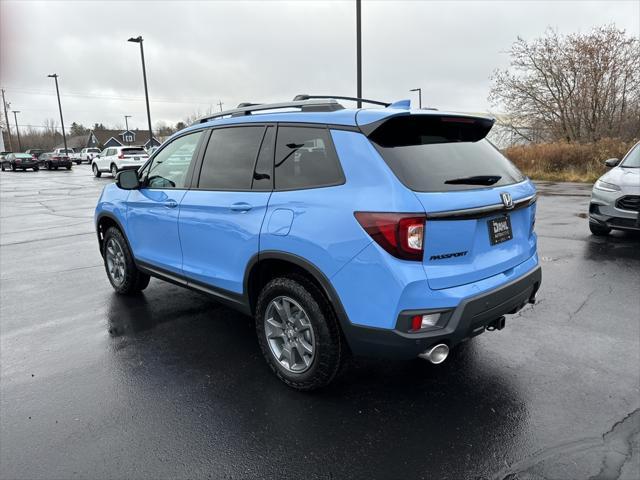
<point>171,204</point>
<point>241,207</point>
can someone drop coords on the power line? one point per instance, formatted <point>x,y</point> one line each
<point>106,97</point>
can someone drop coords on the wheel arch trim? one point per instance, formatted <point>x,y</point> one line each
<point>317,274</point>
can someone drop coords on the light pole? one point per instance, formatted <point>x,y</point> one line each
<point>15,116</point>
<point>419,90</point>
<point>64,135</point>
<point>144,77</point>
<point>358,53</point>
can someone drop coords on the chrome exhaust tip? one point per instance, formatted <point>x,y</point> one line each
<point>437,354</point>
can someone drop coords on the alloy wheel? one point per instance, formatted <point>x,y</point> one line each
<point>289,334</point>
<point>116,265</point>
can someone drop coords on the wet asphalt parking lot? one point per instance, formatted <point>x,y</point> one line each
<point>171,384</point>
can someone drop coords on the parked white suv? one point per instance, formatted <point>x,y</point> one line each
<point>114,159</point>
<point>85,155</point>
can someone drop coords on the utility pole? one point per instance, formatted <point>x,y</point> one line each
<point>64,135</point>
<point>15,116</point>
<point>6,119</point>
<point>419,90</point>
<point>139,40</point>
<point>220,104</point>
<point>358,53</point>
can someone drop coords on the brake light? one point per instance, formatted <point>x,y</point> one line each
<point>121,156</point>
<point>400,234</point>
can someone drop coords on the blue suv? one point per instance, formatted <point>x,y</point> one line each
<point>382,231</point>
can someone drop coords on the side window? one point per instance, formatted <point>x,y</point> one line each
<point>305,158</point>
<point>263,173</point>
<point>230,158</point>
<point>170,166</point>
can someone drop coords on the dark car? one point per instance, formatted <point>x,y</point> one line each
<point>36,152</point>
<point>20,161</point>
<point>53,161</point>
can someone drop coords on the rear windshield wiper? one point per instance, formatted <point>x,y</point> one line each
<point>476,180</point>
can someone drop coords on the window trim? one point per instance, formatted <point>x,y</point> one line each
<point>198,169</point>
<point>197,153</point>
<point>319,126</point>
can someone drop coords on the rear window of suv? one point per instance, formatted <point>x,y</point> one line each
<point>440,154</point>
<point>133,151</point>
<point>305,158</point>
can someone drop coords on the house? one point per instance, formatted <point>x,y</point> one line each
<point>111,138</point>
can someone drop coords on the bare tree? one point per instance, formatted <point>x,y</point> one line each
<point>579,87</point>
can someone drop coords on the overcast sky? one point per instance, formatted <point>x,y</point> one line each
<point>198,53</point>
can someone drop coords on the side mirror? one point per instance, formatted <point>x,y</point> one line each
<point>97,155</point>
<point>612,162</point>
<point>128,180</point>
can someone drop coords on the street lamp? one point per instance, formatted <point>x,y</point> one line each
<point>419,90</point>
<point>144,77</point>
<point>358,53</point>
<point>15,116</point>
<point>64,135</point>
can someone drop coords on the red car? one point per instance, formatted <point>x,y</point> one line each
<point>53,161</point>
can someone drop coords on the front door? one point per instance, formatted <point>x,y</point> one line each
<point>152,211</point>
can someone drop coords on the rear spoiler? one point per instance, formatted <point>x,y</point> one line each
<point>420,128</point>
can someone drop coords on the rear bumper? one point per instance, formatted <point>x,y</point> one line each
<point>130,166</point>
<point>28,164</point>
<point>466,320</point>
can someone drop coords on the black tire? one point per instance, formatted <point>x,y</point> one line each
<point>13,167</point>
<point>68,167</point>
<point>48,165</point>
<point>134,280</point>
<point>96,172</point>
<point>3,167</point>
<point>55,167</point>
<point>35,169</point>
<point>330,346</point>
<point>114,170</point>
<point>599,230</point>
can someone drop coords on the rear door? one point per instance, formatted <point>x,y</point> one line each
<point>152,211</point>
<point>220,219</point>
<point>480,208</point>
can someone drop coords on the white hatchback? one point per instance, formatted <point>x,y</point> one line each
<point>114,159</point>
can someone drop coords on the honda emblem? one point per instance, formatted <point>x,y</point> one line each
<point>507,201</point>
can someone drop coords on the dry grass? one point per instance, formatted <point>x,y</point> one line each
<point>567,162</point>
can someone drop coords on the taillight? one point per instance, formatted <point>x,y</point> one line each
<point>400,234</point>
<point>121,156</point>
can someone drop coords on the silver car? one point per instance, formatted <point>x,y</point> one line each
<point>615,199</point>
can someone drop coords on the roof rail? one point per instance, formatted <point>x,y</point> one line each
<point>337,97</point>
<point>328,105</point>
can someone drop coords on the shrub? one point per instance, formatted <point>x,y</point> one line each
<point>569,162</point>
